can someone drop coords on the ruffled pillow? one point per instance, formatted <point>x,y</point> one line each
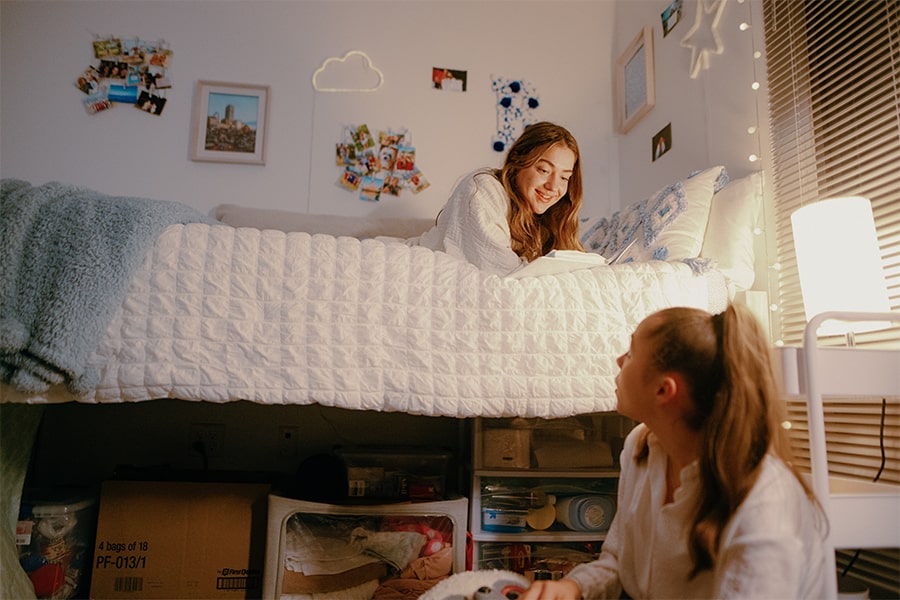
<point>669,225</point>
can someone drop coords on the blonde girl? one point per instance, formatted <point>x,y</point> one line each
<point>709,502</point>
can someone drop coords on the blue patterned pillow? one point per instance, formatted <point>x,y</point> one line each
<point>669,225</point>
<point>607,236</point>
<point>676,218</point>
<point>597,234</point>
<point>662,210</point>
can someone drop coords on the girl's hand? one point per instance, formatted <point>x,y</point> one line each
<point>562,589</point>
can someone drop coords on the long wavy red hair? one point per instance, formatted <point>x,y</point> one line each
<point>557,229</point>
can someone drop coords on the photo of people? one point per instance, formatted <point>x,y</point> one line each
<point>89,81</point>
<point>150,104</point>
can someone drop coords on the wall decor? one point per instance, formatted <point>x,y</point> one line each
<point>661,142</point>
<point>230,121</point>
<point>353,72</point>
<point>635,82</point>
<point>703,38</point>
<point>671,16</point>
<point>450,80</point>
<point>127,71</point>
<point>516,100</point>
<point>373,168</point>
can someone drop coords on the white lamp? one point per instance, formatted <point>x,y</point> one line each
<point>839,263</point>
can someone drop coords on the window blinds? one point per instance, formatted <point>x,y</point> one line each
<point>834,85</point>
<point>834,109</point>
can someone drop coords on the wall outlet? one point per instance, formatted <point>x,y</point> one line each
<point>208,439</point>
<point>288,440</point>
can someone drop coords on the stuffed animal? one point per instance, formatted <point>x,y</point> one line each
<point>495,584</point>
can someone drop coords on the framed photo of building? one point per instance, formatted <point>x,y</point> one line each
<point>635,85</point>
<point>230,121</point>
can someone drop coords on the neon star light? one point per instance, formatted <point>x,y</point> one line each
<point>703,38</point>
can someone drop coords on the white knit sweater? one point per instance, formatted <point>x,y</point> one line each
<point>473,225</point>
<point>771,548</point>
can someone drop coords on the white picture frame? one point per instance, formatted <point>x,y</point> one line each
<point>230,123</point>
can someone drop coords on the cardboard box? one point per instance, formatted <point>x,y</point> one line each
<point>180,540</point>
<point>506,448</point>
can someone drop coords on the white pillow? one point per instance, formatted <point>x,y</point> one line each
<point>730,239</point>
<point>285,220</point>
<point>669,225</point>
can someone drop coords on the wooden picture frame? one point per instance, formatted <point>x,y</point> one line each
<point>230,123</point>
<point>635,85</point>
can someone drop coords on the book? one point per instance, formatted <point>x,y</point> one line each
<point>559,261</point>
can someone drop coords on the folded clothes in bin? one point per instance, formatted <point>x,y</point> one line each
<point>586,512</point>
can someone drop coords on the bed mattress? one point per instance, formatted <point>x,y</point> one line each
<point>216,313</point>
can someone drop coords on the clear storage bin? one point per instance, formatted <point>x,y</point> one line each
<point>55,538</point>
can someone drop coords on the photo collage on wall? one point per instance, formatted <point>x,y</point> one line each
<point>129,71</point>
<point>372,167</point>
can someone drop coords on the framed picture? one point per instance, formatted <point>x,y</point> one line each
<point>230,122</point>
<point>635,89</point>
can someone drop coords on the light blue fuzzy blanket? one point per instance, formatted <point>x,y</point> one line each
<point>67,256</point>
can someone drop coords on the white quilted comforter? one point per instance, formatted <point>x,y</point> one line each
<point>221,314</point>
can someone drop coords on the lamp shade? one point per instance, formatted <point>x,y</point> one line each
<point>839,262</point>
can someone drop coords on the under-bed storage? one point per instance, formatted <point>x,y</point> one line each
<point>349,551</point>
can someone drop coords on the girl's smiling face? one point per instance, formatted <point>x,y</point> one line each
<point>547,180</point>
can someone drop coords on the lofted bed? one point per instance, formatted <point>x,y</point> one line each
<point>218,312</point>
<point>131,300</point>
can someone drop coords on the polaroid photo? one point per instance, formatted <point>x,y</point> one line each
<point>391,138</point>
<point>350,179</point>
<point>160,58</point>
<point>392,185</point>
<point>387,157</point>
<point>150,103</point>
<point>661,142</point>
<point>132,76</point>
<point>111,69</point>
<point>367,161</point>
<point>363,138</point>
<point>671,16</point>
<point>108,49</point>
<point>344,155</point>
<point>414,180</point>
<point>97,103</point>
<point>370,189</point>
<point>406,158</point>
<point>89,81</point>
<point>127,94</point>
<point>448,80</point>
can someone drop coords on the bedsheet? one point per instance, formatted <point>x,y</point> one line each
<point>216,313</point>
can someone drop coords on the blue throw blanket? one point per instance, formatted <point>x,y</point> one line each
<point>67,257</point>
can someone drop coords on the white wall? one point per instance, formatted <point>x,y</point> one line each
<point>562,48</point>
<point>567,50</point>
<point>710,115</point>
